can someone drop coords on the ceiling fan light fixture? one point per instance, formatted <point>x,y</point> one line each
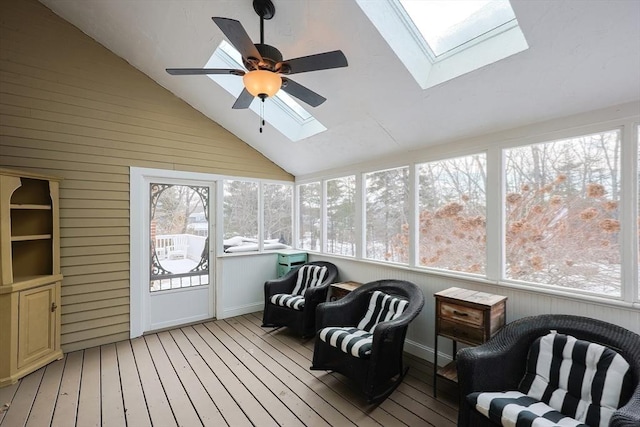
<point>262,83</point>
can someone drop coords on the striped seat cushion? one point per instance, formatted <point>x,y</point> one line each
<point>353,341</point>
<point>287,300</point>
<point>382,307</point>
<point>515,409</point>
<point>358,341</point>
<point>308,277</point>
<point>581,379</point>
<point>568,382</point>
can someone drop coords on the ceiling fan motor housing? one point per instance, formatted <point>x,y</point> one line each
<point>270,58</point>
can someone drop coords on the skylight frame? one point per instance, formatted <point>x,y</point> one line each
<point>401,33</point>
<point>282,111</point>
<point>421,37</point>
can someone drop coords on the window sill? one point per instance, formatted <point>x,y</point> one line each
<point>572,294</point>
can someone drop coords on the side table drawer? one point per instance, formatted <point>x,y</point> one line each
<point>461,313</point>
<point>461,332</point>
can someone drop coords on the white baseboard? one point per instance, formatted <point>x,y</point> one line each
<point>240,310</point>
<point>426,353</point>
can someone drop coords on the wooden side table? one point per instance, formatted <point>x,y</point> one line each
<point>465,316</point>
<point>341,289</point>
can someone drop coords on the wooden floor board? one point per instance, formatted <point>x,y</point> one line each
<point>67,402</point>
<point>277,410</point>
<point>268,359</point>
<point>250,404</point>
<point>135,409</point>
<point>111,392</point>
<point>181,405</point>
<point>227,372</point>
<point>89,402</point>
<point>20,407</point>
<point>45,402</point>
<point>6,396</point>
<point>157,402</point>
<point>229,408</point>
<point>205,407</point>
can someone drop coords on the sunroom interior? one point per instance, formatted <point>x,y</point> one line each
<point>510,169</point>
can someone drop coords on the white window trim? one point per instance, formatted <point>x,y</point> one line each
<point>624,117</point>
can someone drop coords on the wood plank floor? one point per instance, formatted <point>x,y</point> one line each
<point>227,372</point>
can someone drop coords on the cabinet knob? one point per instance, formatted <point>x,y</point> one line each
<point>53,307</point>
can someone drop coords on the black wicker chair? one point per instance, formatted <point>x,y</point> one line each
<point>302,322</point>
<point>499,364</point>
<point>380,373</point>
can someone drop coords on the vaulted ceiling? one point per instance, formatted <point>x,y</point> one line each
<point>583,55</point>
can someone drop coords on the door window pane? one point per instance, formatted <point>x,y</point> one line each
<point>341,209</point>
<point>562,213</point>
<point>179,232</point>
<point>452,214</point>
<point>278,218</point>
<point>310,198</point>
<point>387,195</point>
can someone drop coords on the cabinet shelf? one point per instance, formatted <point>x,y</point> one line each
<point>449,371</point>
<point>31,207</point>
<point>31,237</point>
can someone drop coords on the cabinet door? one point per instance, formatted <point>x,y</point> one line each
<point>36,323</point>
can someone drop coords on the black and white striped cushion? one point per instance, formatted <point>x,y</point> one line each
<point>515,409</point>
<point>583,380</point>
<point>353,341</point>
<point>382,307</point>
<point>286,300</point>
<point>308,277</point>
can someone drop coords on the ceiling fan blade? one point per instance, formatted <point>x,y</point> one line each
<point>302,93</point>
<point>243,101</point>
<point>195,71</point>
<point>319,61</point>
<point>235,32</point>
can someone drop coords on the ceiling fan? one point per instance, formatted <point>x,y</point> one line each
<point>266,69</point>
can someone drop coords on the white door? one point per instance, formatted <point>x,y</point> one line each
<point>172,258</point>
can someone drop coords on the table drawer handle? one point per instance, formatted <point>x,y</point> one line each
<point>460,313</point>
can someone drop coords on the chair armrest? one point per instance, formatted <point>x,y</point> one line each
<point>317,294</point>
<point>629,414</point>
<point>477,368</point>
<point>344,312</point>
<point>283,285</point>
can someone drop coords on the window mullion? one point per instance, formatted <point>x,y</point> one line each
<point>495,214</point>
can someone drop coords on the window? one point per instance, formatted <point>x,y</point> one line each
<point>561,212</point>
<point>278,204</point>
<point>341,210</point>
<point>452,214</point>
<point>387,215</point>
<point>446,25</point>
<point>240,211</point>
<point>178,232</point>
<point>309,220</point>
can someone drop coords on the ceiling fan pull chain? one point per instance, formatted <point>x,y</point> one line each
<point>261,114</point>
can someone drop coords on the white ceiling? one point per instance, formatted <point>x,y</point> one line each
<point>583,55</point>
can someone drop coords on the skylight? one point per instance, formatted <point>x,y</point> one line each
<point>446,25</point>
<point>281,111</point>
<point>438,40</point>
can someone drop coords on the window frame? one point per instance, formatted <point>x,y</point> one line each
<point>220,214</point>
<point>493,147</point>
